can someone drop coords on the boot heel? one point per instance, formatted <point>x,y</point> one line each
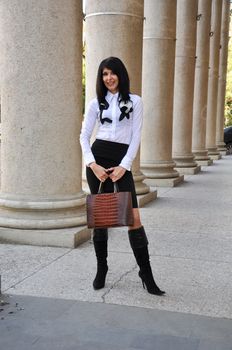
<point>149,284</point>
<point>144,287</point>
<point>139,243</point>
<point>143,284</point>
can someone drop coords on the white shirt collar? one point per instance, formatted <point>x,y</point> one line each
<point>110,96</point>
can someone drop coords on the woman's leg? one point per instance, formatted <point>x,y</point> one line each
<point>137,221</point>
<point>100,238</point>
<point>139,244</point>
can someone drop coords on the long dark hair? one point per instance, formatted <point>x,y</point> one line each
<point>118,68</point>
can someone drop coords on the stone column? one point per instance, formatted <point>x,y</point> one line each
<point>201,83</point>
<point>213,79</point>
<point>0,141</point>
<point>158,84</point>
<point>41,53</point>
<point>115,28</point>
<point>222,77</point>
<point>184,87</point>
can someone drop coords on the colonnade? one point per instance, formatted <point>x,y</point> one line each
<point>176,55</point>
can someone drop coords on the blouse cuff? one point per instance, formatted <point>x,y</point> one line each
<point>126,163</point>
<point>89,158</point>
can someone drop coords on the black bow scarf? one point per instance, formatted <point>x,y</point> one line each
<point>103,106</point>
<point>125,107</point>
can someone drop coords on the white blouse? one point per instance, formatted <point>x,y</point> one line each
<point>126,131</point>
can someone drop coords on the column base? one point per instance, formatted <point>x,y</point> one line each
<point>223,151</point>
<point>206,162</point>
<point>159,170</point>
<point>65,238</point>
<point>140,187</point>
<point>213,153</point>
<point>167,182</point>
<point>221,146</point>
<point>184,161</point>
<point>215,156</point>
<point>144,199</point>
<point>202,158</point>
<point>189,171</point>
<point>200,154</point>
<point>28,213</point>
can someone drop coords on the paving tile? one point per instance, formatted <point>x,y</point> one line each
<point>17,262</point>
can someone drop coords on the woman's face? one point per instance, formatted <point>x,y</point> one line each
<point>110,80</point>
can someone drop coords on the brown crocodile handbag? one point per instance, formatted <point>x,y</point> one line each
<point>109,209</point>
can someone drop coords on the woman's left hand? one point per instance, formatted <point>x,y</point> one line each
<point>115,173</point>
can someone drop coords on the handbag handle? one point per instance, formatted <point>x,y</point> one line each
<point>100,189</point>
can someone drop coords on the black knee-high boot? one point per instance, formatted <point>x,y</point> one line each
<point>100,238</point>
<point>139,243</point>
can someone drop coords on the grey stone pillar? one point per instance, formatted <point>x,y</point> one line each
<point>158,85</point>
<point>201,83</point>
<point>222,76</point>
<point>213,79</point>
<point>184,87</point>
<point>115,28</point>
<point>0,141</point>
<point>41,94</point>
<point>0,136</point>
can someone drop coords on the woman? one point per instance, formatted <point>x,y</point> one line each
<point>119,119</point>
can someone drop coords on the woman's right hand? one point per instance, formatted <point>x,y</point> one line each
<point>99,171</point>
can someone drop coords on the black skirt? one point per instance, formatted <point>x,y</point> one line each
<point>109,154</point>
